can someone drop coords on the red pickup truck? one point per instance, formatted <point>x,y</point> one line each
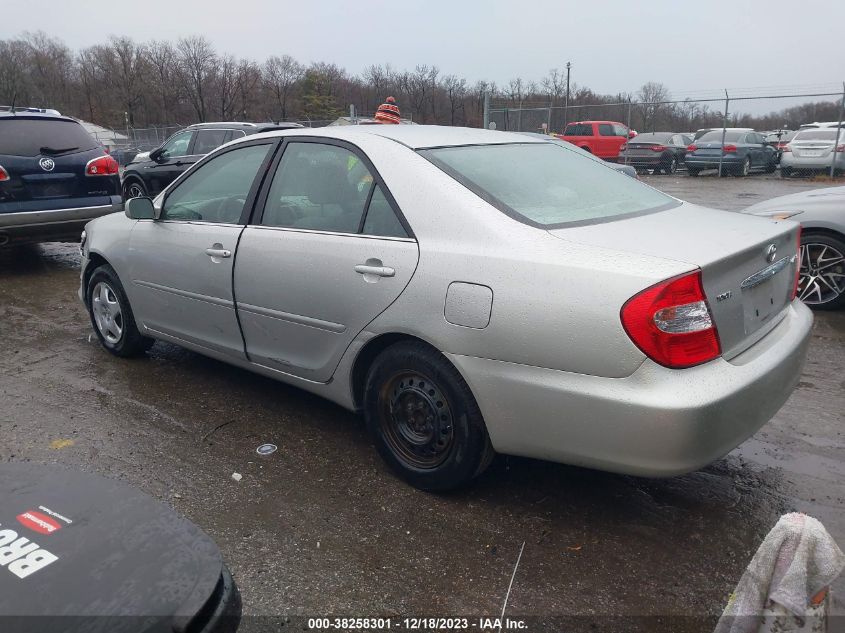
<point>601,138</point>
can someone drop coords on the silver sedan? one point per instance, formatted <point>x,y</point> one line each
<point>469,291</point>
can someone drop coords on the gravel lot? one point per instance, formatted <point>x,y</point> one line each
<point>321,527</point>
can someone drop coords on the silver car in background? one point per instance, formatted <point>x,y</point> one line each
<point>469,291</point>
<point>821,213</point>
<point>813,150</point>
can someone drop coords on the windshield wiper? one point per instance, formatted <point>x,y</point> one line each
<point>53,150</point>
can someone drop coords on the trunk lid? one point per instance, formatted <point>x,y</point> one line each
<point>811,149</point>
<point>748,288</point>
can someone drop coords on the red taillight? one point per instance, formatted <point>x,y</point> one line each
<point>797,267</point>
<point>4,175</point>
<point>691,148</point>
<point>102,166</point>
<point>730,149</point>
<point>658,148</point>
<point>786,148</point>
<point>671,322</point>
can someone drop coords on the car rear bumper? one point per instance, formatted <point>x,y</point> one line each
<point>642,161</point>
<point>657,422</point>
<point>712,162</point>
<point>809,162</point>
<point>54,224</point>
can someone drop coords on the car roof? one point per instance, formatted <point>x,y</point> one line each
<point>415,136</point>
<point>35,116</point>
<point>594,121</point>
<point>241,125</point>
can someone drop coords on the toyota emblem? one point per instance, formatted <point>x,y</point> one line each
<point>771,253</point>
<point>47,164</point>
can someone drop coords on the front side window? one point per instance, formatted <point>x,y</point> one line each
<point>209,140</point>
<point>177,145</point>
<point>217,190</point>
<point>547,185</point>
<point>606,129</point>
<point>620,130</point>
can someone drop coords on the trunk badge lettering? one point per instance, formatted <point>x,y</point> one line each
<point>47,164</point>
<point>724,296</point>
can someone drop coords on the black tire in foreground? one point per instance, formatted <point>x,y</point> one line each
<point>822,278</point>
<point>111,315</point>
<point>424,419</point>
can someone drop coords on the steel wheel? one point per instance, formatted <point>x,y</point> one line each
<point>108,315</point>
<point>416,420</point>
<point>822,276</point>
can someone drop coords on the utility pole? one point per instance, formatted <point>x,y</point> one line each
<point>566,103</point>
<point>839,132</point>
<point>724,131</point>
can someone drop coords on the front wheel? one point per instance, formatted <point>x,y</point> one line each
<point>821,284</point>
<point>671,166</point>
<point>111,315</point>
<point>424,419</point>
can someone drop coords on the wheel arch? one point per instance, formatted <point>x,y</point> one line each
<point>367,355</point>
<point>822,230</point>
<point>95,260</point>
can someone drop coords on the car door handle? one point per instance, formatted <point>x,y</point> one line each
<point>380,271</point>
<point>218,252</point>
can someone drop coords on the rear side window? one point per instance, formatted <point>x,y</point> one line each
<point>208,140</point>
<point>579,129</point>
<point>547,185</point>
<point>381,220</point>
<point>216,191</point>
<point>32,137</point>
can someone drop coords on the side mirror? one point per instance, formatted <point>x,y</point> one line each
<point>631,134</point>
<point>155,155</point>
<point>140,209</point>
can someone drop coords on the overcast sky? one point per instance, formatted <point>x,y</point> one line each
<point>614,45</point>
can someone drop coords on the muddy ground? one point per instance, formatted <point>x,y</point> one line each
<point>321,527</point>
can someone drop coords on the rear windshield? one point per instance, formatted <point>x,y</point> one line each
<point>547,185</point>
<point>31,137</point>
<point>817,135</point>
<point>715,136</point>
<point>651,137</point>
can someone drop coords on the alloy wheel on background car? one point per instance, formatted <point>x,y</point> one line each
<point>822,276</point>
<point>133,190</point>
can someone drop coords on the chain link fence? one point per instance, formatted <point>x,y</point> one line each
<point>793,135</point>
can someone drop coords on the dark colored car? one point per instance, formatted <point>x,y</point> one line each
<point>166,163</point>
<point>54,177</point>
<point>779,139</point>
<point>660,151</point>
<point>742,153</point>
<point>600,138</point>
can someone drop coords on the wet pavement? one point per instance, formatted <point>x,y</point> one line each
<point>322,527</point>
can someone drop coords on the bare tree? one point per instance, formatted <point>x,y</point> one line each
<point>162,72</point>
<point>280,75</point>
<point>197,62</point>
<point>650,97</point>
<point>456,92</point>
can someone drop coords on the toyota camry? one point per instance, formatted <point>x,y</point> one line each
<point>468,291</point>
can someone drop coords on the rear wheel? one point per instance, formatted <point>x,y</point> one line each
<point>133,189</point>
<point>111,315</point>
<point>744,169</point>
<point>670,166</point>
<point>423,418</point>
<point>821,284</point>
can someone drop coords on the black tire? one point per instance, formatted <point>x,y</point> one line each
<point>692,171</point>
<point>816,242</point>
<point>785,172</point>
<point>133,188</point>
<point>670,166</point>
<point>424,419</point>
<point>129,341</point>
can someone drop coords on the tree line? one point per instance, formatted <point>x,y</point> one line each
<point>124,82</point>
